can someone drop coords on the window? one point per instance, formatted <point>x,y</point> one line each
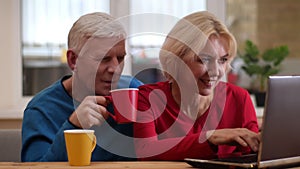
<point>150,22</point>
<point>45,26</point>
<point>12,100</point>
<point>165,14</point>
<point>47,22</point>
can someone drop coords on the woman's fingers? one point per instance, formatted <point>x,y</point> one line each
<point>248,138</point>
<point>241,136</point>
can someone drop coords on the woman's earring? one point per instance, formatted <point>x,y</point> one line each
<point>75,69</point>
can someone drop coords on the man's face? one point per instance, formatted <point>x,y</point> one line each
<point>100,64</point>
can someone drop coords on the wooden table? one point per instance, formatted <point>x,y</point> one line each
<point>96,165</point>
<point>99,165</point>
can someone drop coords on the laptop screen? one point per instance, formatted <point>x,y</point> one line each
<point>280,142</point>
<point>281,121</point>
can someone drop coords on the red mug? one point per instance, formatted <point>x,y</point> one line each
<point>124,103</point>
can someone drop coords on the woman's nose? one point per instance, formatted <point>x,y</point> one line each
<point>213,69</point>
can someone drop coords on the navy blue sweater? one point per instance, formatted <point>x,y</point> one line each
<point>46,117</point>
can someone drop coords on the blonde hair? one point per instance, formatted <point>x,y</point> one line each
<point>95,24</point>
<point>189,36</point>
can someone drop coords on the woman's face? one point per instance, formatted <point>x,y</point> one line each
<point>209,66</point>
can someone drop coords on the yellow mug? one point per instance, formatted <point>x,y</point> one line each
<point>80,144</point>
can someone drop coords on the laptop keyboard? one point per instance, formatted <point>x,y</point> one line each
<point>249,158</point>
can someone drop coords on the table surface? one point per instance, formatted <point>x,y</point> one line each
<point>99,165</point>
<point>96,165</point>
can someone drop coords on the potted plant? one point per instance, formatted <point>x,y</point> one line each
<point>260,66</point>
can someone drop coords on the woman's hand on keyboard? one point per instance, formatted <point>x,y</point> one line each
<point>235,136</point>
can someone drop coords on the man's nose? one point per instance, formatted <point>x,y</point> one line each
<point>113,65</point>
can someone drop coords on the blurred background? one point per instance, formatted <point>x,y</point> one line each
<point>34,35</point>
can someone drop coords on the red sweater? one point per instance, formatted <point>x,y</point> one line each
<point>162,133</point>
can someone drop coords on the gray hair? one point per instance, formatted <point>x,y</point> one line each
<point>95,24</point>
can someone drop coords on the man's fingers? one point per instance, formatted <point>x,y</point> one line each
<point>101,100</point>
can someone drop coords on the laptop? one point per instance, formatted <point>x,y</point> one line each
<point>280,135</point>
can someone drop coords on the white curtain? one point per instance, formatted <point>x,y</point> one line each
<point>152,20</point>
<point>47,22</point>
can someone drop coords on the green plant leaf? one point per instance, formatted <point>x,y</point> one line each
<point>268,70</point>
<point>264,66</point>
<point>251,53</point>
<point>252,69</point>
<point>276,55</point>
<point>283,52</point>
<point>269,55</point>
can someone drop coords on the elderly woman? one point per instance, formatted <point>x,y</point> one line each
<point>194,114</point>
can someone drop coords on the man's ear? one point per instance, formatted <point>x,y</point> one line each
<point>71,58</point>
